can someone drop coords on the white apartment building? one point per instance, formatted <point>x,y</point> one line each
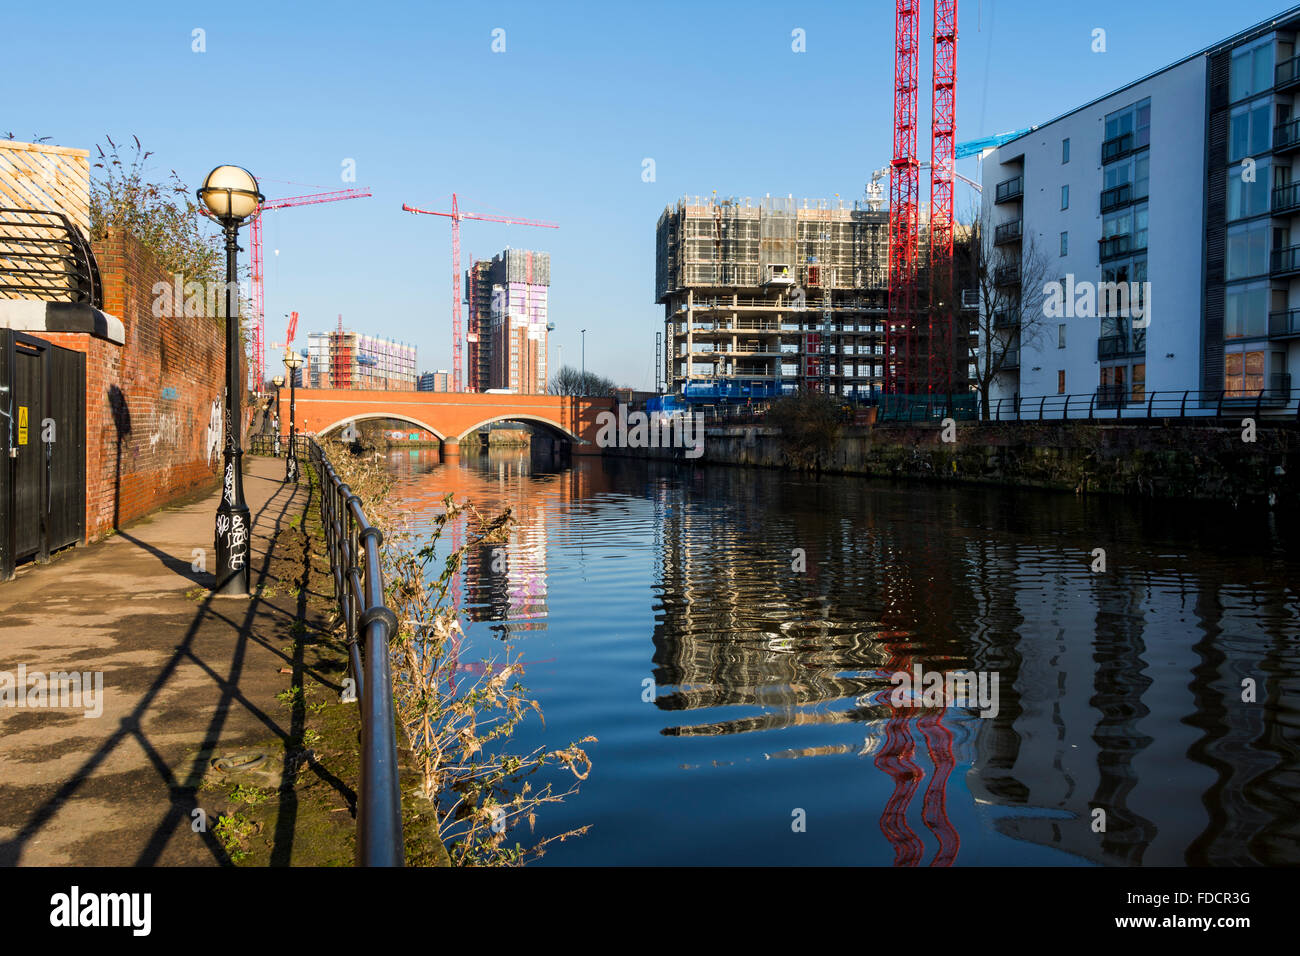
<point>1183,186</point>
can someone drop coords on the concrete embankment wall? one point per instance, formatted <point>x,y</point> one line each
<point>1173,460</point>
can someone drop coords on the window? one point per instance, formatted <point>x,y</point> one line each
<point>1245,310</point>
<point>1065,197</point>
<point>1247,250</point>
<point>1140,227</point>
<point>1060,381</point>
<point>1252,70</point>
<point>1065,243</point>
<point>1139,380</point>
<point>1060,336</point>
<point>1136,171</point>
<point>1243,372</point>
<point>1135,119</point>
<point>1065,150</point>
<point>1250,130</point>
<point>1249,198</point>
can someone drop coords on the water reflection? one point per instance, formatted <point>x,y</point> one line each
<point>776,608</point>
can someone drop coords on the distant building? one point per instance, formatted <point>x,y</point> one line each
<point>353,360</point>
<point>508,326</point>
<point>439,381</point>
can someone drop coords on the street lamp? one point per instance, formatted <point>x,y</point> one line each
<point>278,382</point>
<point>292,361</point>
<point>230,196</point>
<point>583,380</point>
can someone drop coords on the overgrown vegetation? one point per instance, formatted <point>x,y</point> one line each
<point>810,425</point>
<point>163,215</point>
<point>459,729</point>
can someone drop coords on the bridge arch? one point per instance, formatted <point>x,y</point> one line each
<point>384,416</point>
<point>545,423</point>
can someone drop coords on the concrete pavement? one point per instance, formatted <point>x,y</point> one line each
<point>186,678</point>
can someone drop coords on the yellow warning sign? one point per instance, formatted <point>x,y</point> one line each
<point>22,424</point>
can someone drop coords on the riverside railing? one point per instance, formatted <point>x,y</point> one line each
<point>1112,403</point>
<point>353,544</point>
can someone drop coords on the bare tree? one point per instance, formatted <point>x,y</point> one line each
<point>1010,273</point>
<point>570,381</point>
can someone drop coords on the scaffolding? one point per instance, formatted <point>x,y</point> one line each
<point>780,293</point>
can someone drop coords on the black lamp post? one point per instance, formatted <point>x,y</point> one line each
<point>230,196</point>
<point>292,362</point>
<point>278,381</point>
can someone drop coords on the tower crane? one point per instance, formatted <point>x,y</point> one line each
<point>257,367</point>
<point>456,215</point>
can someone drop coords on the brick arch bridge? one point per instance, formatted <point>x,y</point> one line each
<point>451,416</point>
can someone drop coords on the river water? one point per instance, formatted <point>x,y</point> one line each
<point>733,638</point>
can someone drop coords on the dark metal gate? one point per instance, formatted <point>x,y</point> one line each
<point>43,429</point>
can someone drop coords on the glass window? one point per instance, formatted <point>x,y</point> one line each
<point>1252,71</point>
<point>1065,150</point>
<point>1117,224</point>
<point>1060,382</point>
<point>1140,227</point>
<point>1248,198</point>
<point>1065,243</point>
<point>1247,250</point>
<point>1139,380</point>
<point>1060,336</point>
<point>1250,130</point>
<point>1243,372</point>
<point>1141,175</point>
<point>1245,310</point>
<point>1065,197</point>
<point>1119,123</point>
<point>1142,125</point>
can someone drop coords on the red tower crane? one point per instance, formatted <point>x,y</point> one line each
<point>904,202</point>
<point>257,367</point>
<point>456,216</point>
<point>919,356</point>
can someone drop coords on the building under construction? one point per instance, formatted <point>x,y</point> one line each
<point>508,326</point>
<point>347,359</point>
<point>772,296</point>
<point>768,296</point>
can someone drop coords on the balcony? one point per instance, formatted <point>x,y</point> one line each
<point>1285,261</point>
<point>1007,232</point>
<point>1116,148</point>
<point>1287,73</point>
<point>1009,190</point>
<point>1286,199</point>
<point>1006,319</point>
<point>1114,247</point>
<point>1286,136</point>
<point>1284,325</point>
<point>1010,360</point>
<point>1006,275</point>
<point>1117,197</point>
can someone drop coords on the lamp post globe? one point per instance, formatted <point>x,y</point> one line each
<point>292,362</point>
<point>278,382</point>
<point>229,195</point>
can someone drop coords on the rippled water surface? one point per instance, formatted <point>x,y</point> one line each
<point>662,609</point>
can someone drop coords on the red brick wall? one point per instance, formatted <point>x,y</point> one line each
<point>148,402</point>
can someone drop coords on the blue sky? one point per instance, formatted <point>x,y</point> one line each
<point>554,128</point>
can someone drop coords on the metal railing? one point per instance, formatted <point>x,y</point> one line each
<point>1127,403</point>
<point>1285,260</point>
<point>44,256</point>
<point>1009,189</point>
<point>353,544</point>
<point>1007,232</point>
<point>1113,149</point>
<point>1286,136</point>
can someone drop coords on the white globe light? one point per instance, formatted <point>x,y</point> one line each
<point>230,192</point>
